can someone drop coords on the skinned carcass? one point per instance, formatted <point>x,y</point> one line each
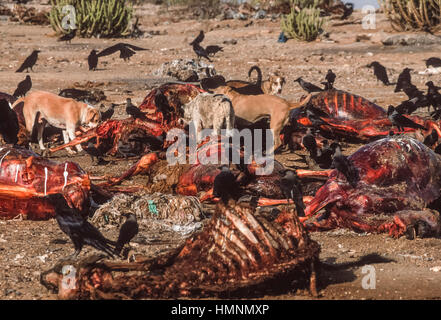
<point>399,178</point>
<point>355,118</point>
<point>26,178</point>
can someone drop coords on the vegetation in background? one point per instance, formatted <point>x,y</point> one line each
<point>99,18</point>
<point>304,22</point>
<point>413,14</point>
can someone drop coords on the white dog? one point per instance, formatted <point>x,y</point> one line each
<point>209,110</point>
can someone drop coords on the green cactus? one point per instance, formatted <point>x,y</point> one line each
<point>413,14</point>
<point>302,24</point>
<point>99,18</point>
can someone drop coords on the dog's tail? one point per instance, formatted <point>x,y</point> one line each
<point>295,105</point>
<point>17,102</point>
<point>259,75</point>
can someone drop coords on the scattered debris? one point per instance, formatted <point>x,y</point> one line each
<point>173,209</point>
<point>29,15</point>
<point>186,70</point>
<point>411,40</point>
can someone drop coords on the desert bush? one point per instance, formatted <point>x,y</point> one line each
<point>413,14</point>
<point>304,22</point>
<point>99,18</point>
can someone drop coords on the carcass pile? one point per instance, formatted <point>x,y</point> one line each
<point>389,185</point>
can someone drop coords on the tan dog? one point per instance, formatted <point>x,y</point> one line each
<point>42,107</point>
<point>273,85</point>
<point>255,107</point>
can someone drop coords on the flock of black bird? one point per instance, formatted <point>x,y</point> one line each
<point>81,232</point>
<point>125,52</point>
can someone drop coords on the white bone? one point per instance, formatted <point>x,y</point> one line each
<point>1,160</point>
<point>65,174</point>
<point>17,167</point>
<point>45,180</point>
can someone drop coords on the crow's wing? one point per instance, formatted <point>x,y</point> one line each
<point>406,122</point>
<point>132,47</point>
<point>110,50</point>
<point>118,47</point>
<point>198,39</point>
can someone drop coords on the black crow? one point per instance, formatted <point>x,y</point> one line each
<point>292,189</point>
<point>79,230</point>
<point>68,36</point>
<point>403,79</point>
<point>23,87</point>
<point>310,143</point>
<point>8,123</point>
<point>125,50</point>
<point>408,106</point>
<point>225,186</point>
<point>380,72</point>
<point>161,103</point>
<point>92,60</point>
<point>433,62</point>
<point>324,155</point>
<point>29,62</point>
<point>106,115</point>
<point>198,39</point>
<point>127,232</point>
<point>308,87</point>
<point>431,139</point>
<point>432,89</point>
<point>347,10</point>
<point>433,96</point>
<point>212,50</point>
<point>133,111</point>
<point>94,153</point>
<point>200,52</point>
<point>401,121</point>
<point>344,165</point>
<point>154,143</point>
<point>315,118</point>
<point>330,79</point>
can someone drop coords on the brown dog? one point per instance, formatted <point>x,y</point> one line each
<point>42,107</point>
<point>255,107</point>
<point>273,85</point>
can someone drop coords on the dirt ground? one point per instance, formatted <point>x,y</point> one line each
<point>404,269</point>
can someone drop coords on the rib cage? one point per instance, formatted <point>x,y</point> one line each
<point>341,104</point>
<point>238,250</point>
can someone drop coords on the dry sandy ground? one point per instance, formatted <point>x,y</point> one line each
<point>403,267</point>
